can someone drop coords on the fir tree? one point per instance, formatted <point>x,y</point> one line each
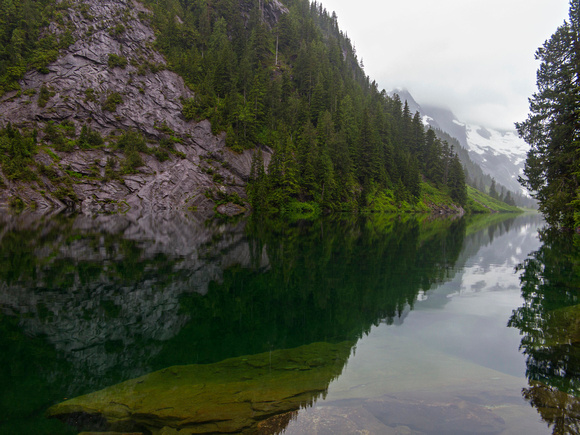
<point>552,128</point>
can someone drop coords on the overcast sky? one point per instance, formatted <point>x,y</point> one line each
<point>475,57</point>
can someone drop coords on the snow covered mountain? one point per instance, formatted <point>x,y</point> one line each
<point>501,154</point>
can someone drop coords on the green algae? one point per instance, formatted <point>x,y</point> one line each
<point>230,396</point>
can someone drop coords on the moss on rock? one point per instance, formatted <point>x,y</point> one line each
<point>229,396</point>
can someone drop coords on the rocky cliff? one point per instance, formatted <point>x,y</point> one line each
<point>111,80</point>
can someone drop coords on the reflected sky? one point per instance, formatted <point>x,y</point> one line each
<point>453,348</point>
<point>427,300</point>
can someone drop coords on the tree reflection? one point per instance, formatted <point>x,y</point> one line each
<point>328,280</point>
<point>113,298</point>
<point>549,322</point>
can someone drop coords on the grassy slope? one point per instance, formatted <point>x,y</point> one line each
<point>479,202</point>
<point>433,199</point>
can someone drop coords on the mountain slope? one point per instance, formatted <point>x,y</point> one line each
<point>110,81</point>
<point>279,78</point>
<point>500,154</point>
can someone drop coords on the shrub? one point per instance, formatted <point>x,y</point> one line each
<point>132,139</point>
<point>44,96</point>
<point>64,193</point>
<point>48,171</point>
<point>160,154</point>
<point>132,161</point>
<point>55,134</point>
<point>90,138</point>
<point>110,173</point>
<point>117,61</point>
<point>112,101</point>
<point>117,31</point>
<point>90,95</point>
<point>68,128</point>
<point>16,151</point>
<point>16,203</point>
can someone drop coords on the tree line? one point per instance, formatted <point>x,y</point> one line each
<point>295,84</point>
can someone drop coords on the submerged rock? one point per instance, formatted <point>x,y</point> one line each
<point>225,397</point>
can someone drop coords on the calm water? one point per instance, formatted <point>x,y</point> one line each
<point>380,324</point>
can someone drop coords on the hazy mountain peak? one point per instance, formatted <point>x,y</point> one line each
<point>500,153</point>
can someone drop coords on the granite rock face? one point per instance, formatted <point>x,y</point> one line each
<point>113,55</point>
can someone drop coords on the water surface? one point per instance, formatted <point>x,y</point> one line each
<point>384,324</point>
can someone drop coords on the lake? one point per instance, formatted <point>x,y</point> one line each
<point>378,324</point>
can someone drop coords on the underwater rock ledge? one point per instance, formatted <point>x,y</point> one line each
<point>233,395</point>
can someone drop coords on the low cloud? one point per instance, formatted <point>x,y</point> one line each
<point>474,57</point>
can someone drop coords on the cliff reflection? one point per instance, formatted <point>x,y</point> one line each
<point>549,322</point>
<point>89,303</point>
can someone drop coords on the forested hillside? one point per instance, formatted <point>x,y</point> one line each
<point>279,81</point>
<point>295,84</point>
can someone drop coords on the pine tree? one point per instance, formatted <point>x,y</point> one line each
<point>456,181</point>
<point>552,129</point>
<point>492,189</point>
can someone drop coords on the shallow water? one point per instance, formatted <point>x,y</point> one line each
<point>103,309</point>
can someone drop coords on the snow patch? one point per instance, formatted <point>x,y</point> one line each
<point>427,120</point>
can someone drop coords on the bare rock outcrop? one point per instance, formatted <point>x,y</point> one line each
<point>113,56</point>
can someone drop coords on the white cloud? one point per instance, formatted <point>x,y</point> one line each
<point>475,57</point>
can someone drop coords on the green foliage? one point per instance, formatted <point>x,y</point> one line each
<point>48,171</point>
<point>117,61</point>
<point>44,95</point>
<point>60,135</point>
<point>479,202</point>
<point>131,162</point>
<point>90,95</point>
<point>110,173</point>
<point>132,140</point>
<point>25,41</point>
<point>16,153</point>
<point>112,101</point>
<point>548,319</point>
<point>335,136</point>
<point>90,138</point>
<point>117,30</point>
<point>551,171</point>
<point>16,203</point>
<point>221,197</point>
<point>295,86</point>
<point>65,194</point>
<point>131,143</point>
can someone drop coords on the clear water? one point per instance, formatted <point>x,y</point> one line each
<point>379,324</point>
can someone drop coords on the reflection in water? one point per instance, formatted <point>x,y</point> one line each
<point>90,302</point>
<point>86,303</point>
<point>549,322</point>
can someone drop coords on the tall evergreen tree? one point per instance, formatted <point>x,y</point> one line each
<point>552,129</point>
<point>492,189</point>
<point>456,181</point>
